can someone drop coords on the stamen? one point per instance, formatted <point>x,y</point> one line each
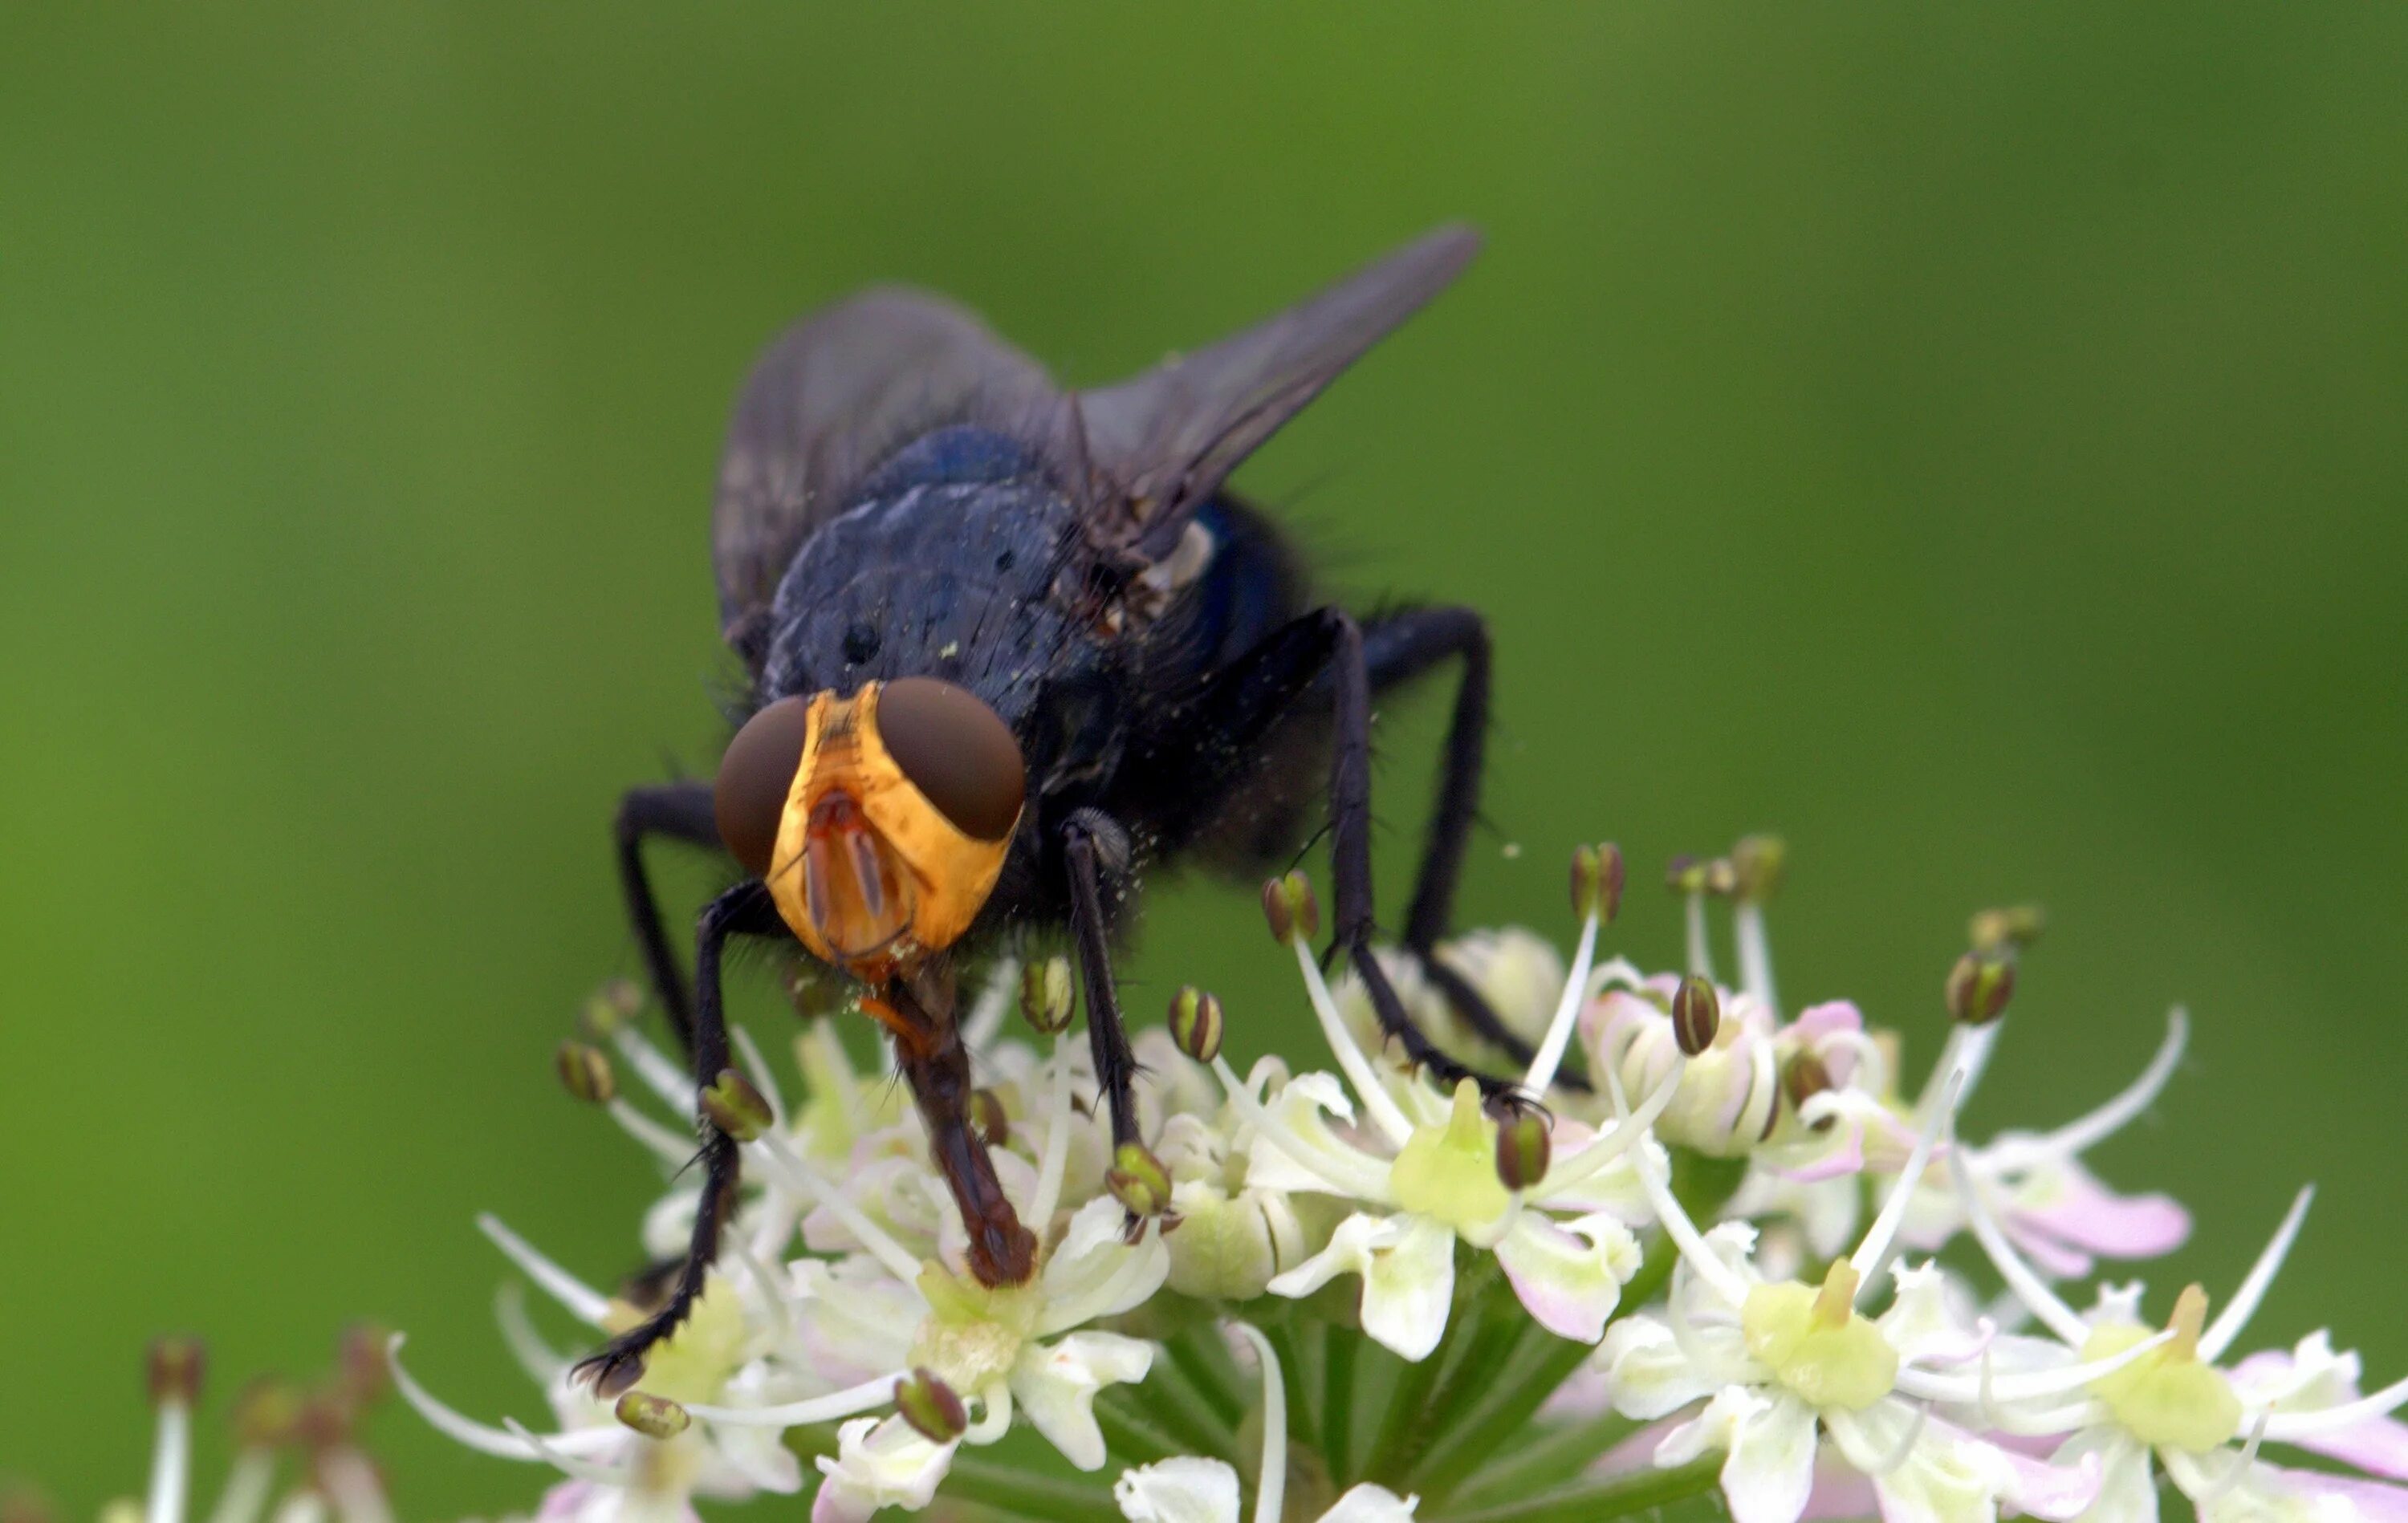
<point>575,1467</point>
<point>1370,1183</point>
<point>2261,1278</point>
<point>247,1485</point>
<point>1271,1482</point>
<point>1057,1157</point>
<point>2088,1131</point>
<point>851,1401</point>
<point>808,1182</point>
<point>2291,1426</point>
<point>353,1483</point>
<point>464,1430</point>
<point>1377,1103</point>
<point>1614,1141</point>
<point>1933,1387</point>
<point>542,1363</point>
<point>578,1298</point>
<point>670,1146</point>
<point>1872,1254</point>
<point>1550,1056</point>
<point>1755,956</point>
<point>987,1012</point>
<point>2027,1286</point>
<point>2235,1470</point>
<point>651,1065</point>
<point>1670,1213</point>
<point>175,1383</point>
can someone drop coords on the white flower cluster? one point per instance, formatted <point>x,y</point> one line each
<point>1674,1267</point>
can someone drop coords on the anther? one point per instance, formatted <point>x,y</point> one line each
<point>1289,905</point>
<point>1722,878</point>
<point>1597,874</point>
<point>1802,1078</point>
<point>987,1115</point>
<point>585,1072</point>
<point>1760,863</point>
<point>1696,1015</point>
<point>933,1408</point>
<point>735,1108</point>
<point>1045,995</point>
<point>654,1417</point>
<point>611,1007</point>
<point>1138,1180</point>
<point>176,1366</point>
<point>1196,1023</point>
<point>1979,986</point>
<point>1685,875</point>
<point>266,1415</point>
<point>1524,1147</point>
<point>364,1361</point>
<point>2013,928</point>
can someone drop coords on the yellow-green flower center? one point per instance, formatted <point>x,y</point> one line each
<point>694,1363</point>
<point>1447,1171</point>
<point>973,1332</point>
<point>2167,1398</point>
<point>1815,1344</point>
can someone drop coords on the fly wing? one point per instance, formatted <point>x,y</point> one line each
<point>1163,443</point>
<point>824,406</point>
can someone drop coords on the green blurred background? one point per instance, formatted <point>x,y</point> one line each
<point>1966,440</point>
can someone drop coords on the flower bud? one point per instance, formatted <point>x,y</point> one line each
<point>1045,995</point>
<point>1138,1180</point>
<point>2013,928</point>
<point>1760,862</point>
<point>988,1119</point>
<point>611,1007</point>
<point>654,1417</point>
<point>1979,986</point>
<point>1525,1146</point>
<point>735,1108</point>
<point>1597,874</point>
<point>1196,1023</point>
<point>1696,1015</point>
<point>176,1364</point>
<point>585,1073</point>
<point>933,1408</point>
<point>1289,905</point>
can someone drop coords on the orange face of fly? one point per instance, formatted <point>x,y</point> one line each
<point>880,821</point>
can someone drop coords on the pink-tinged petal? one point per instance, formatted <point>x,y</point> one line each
<point>2376,1502</point>
<point>1818,1021</point>
<point>1839,1492</point>
<point>1569,1275</point>
<point>2054,1491</point>
<point>2378,1446</point>
<point>2053,1259</point>
<point>1845,1158</point>
<point>2074,1207</point>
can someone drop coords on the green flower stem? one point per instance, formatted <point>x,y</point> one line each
<point>1557,1457</point>
<point>1639,1492</point>
<point>1393,1451</point>
<point>1136,1439</point>
<point>1039,1497</point>
<point>1338,1401</point>
<point>1193,1359</point>
<point>1175,1405</point>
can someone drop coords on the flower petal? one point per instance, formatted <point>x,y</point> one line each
<point>1181,1490</point>
<point>1769,1442</point>
<point>1647,1373</point>
<point>1056,1384</point>
<point>1368,1504</point>
<point>878,1462</point>
<point>1570,1274</point>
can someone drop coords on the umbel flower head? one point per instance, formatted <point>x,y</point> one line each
<point>1667,1255</point>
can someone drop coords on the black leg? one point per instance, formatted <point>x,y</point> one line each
<point>682,812</point>
<point>1095,850</point>
<point>743,910</point>
<point>1396,650</point>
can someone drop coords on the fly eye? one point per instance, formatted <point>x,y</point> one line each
<point>957,752</point>
<point>750,798</point>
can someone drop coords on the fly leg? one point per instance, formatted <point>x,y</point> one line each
<point>681,812</point>
<point>1095,851</point>
<point>928,1048</point>
<point>745,910</point>
<point>1398,649</point>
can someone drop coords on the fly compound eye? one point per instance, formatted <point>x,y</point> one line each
<point>957,752</point>
<point>749,801</point>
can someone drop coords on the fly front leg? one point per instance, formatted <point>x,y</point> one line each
<point>745,910</point>
<point>928,1048</point>
<point>678,812</point>
<point>1096,853</point>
